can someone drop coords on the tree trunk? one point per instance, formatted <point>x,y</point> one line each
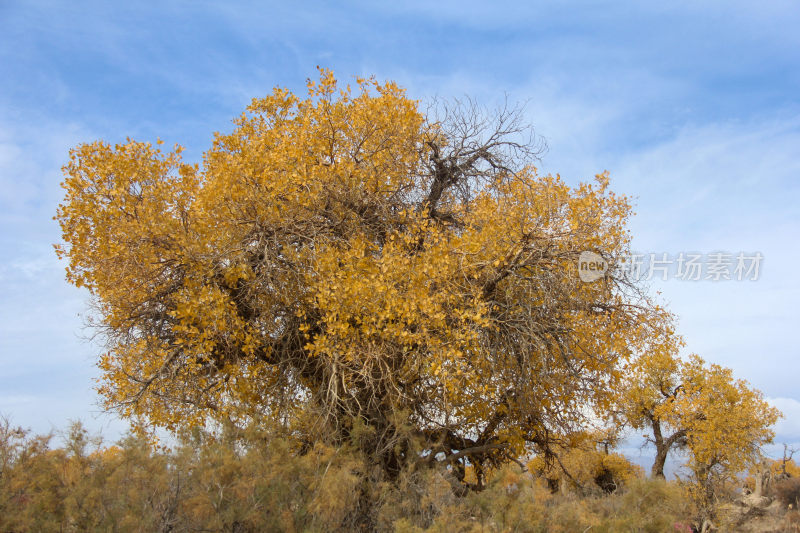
<point>663,446</point>
<point>763,477</point>
<point>658,464</point>
<point>661,450</point>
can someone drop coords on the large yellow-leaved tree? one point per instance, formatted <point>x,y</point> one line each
<point>341,260</point>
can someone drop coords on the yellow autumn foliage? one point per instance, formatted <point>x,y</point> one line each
<point>582,466</point>
<point>344,255</point>
<point>701,408</point>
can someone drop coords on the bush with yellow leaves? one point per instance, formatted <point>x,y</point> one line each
<point>581,466</point>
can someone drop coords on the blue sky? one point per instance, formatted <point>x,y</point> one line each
<point>693,107</point>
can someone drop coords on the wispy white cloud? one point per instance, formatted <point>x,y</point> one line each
<point>11,401</point>
<point>732,187</point>
<point>48,369</point>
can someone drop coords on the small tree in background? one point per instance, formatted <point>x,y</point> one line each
<point>720,421</point>
<point>729,423</point>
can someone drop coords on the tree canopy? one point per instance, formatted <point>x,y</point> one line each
<point>700,408</point>
<point>690,404</point>
<point>344,261</point>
